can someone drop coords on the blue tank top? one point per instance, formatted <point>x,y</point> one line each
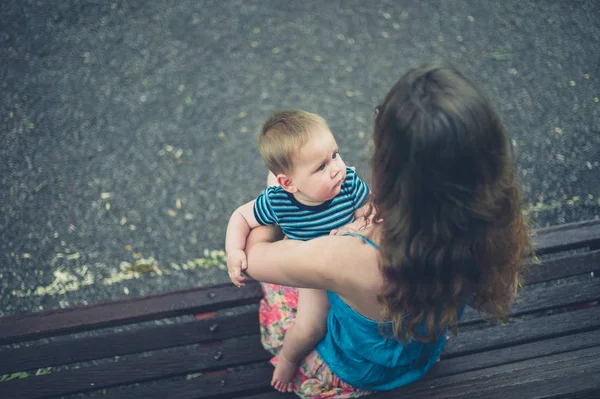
<point>356,348</point>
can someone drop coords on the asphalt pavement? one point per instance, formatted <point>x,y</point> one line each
<point>128,127</point>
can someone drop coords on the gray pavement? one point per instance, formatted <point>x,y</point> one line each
<point>128,127</point>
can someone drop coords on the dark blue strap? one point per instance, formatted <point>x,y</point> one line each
<point>365,239</point>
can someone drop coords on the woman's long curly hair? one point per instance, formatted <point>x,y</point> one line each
<point>448,197</point>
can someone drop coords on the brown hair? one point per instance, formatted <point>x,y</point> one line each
<point>448,193</point>
<point>282,134</point>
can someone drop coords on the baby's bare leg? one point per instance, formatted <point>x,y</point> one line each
<point>308,329</point>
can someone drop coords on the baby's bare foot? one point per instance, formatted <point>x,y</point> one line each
<point>282,376</point>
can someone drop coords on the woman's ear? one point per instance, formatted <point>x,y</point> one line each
<point>286,183</point>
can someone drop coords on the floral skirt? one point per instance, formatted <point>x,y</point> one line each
<point>313,378</point>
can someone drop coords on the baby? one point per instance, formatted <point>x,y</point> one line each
<point>311,193</point>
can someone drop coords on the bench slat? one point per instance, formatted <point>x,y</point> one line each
<point>233,384</point>
<point>522,332</point>
<point>158,337</point>
<point>567,236</point>
<point>565,267</point>
<point>533,299</point>
<point>24,327</point>
<point>129,371</point>
<point>564,375</point>
<point>274,395</point>
<point>493,358</point>
<point>567,322</point>
<point>513,354</point>
<point>127,342</point>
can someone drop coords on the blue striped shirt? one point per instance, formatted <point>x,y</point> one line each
<point>302,222</point>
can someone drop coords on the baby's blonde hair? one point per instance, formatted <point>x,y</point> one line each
<point>282,134</point>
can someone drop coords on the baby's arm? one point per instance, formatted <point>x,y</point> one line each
<point>238,229</point>
<point>365,214</point>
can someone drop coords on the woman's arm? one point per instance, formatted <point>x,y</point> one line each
<point>316,263</point>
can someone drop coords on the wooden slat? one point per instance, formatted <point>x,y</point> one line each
<point>123,343</point>
<point>134,370</point>
<point>259,379</point>
<point>234,384</point>
<point>567,236</point>
<point>569,374</point>
<point>19,328</point>
<point>486,360</point>
<point>272,395</point>
<point>513,354</point>
<point>568,266</point>
<point>535,299</point>
<point>522,332</point>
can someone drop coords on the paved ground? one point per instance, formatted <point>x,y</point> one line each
<point>128,127</point>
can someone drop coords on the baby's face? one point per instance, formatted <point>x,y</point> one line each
<point>319,170</point>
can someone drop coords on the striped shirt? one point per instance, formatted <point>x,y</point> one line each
<point>302,222</point>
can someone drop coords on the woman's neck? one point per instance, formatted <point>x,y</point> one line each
<point>372,232</point>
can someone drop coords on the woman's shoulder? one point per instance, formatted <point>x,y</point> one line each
<point>355,264</point>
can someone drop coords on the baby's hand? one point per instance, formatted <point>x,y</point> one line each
<point>353,227</point>
<point>236,263</point>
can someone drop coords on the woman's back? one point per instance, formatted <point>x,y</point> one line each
<point>361,281</point>
<point>379,361</point>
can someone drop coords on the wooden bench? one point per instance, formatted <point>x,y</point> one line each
<point>152,347</point>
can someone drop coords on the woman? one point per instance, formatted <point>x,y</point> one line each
<point>448,232</point>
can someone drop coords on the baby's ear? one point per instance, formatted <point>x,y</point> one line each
<point>286,183</point>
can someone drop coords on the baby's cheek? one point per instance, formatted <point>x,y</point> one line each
<point>324,188</point>
<point>328,186</point>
